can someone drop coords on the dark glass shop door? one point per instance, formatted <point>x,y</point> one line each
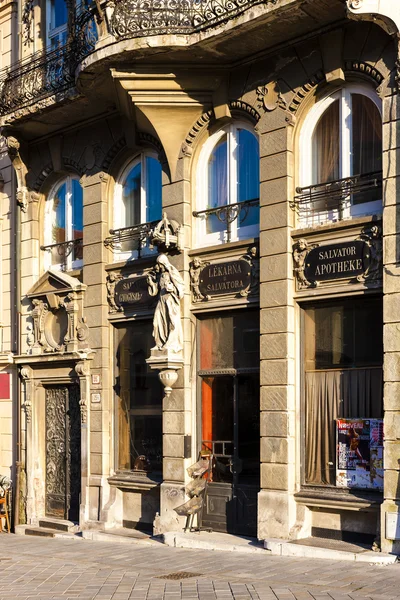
<point>63,452</point>
<point>230,430</point>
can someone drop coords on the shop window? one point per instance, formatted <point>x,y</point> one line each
<point>137,204</point>
<point>138,393</point>
<point>63,227</point>
<point>341,157</point>
<point>228,186</point>
<point>343,376</point>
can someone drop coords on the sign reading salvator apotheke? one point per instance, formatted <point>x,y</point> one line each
<point>225,278</point>
<point>344,260</point>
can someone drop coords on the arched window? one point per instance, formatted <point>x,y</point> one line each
<point>341,154</point>
<point>64,225</point>
<point>228,186</point>
<point>137,200</point>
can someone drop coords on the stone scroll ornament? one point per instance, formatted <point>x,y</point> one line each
<point>165,282</point>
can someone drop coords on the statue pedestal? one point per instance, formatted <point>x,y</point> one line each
<point>168,363</point>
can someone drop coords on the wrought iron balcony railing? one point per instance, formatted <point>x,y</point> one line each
<point>228,213</point>
<point>330,201</point>
<point>65,254</point>
<point>47,72</point>
<point>135,18</point>
<point>131,239</point>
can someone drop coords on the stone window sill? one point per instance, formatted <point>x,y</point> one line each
<point>333,498</point>
<point>135,481</point>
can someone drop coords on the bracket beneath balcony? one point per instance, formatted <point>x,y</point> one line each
<point>385,13</point>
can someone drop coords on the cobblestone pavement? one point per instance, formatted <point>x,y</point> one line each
<point>57,569</point>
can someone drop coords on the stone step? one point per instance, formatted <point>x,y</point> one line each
<point>46,532</point>
<point>326,548</point>
<point>59,524</point>
<point>121,535</point>
<point>205,540</point>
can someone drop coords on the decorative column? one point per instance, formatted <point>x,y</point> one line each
<point>28,385</point>
<point>82,369</point>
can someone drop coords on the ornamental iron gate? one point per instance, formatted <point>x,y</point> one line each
<point>63,452</point>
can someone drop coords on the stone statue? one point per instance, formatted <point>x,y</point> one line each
<point>166,282</point>
<point>112,280</point>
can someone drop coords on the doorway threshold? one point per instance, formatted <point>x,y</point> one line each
<point>205,540</point>
<point>316,547</point>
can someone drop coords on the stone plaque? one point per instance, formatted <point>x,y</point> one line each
<point>131,292</point>
<point>231,277</point>
<point>337,261</point>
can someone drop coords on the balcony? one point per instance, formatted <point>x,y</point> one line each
<point>334,200</point>
<point>46,73</point>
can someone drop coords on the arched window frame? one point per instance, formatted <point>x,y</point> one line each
<point>69,262</point>
<point>119,213</point>
<point>202,185</point>
<point>345,120</point>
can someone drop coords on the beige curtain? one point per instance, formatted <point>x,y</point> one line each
<point>329,395</point>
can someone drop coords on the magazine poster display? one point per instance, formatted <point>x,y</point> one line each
<point>359,453</point>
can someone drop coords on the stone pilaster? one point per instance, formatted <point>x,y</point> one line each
<point>277,323</point>
<point>391,318</point>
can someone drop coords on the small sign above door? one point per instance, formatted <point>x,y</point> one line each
<point>225,278</point>
<point>132,291</point>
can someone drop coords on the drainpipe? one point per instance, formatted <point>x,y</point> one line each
<point>17,351</point>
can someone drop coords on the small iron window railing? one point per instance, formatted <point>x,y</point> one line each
<point>228,213</point>
<point>330,201</point>
<point>65,253</point>
<point>130,239</point>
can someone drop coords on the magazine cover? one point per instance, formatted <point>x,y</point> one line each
<point>359,453</point>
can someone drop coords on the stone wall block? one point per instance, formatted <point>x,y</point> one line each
<point>391,190</point>
<point>174,422</point>
<point>274,450</point>
<point>277,345</point>
<point>273,142</point>
<point>273,242</point>
<point>391,250</point>
<point>173,469</point>
<point>274,372</point>
<point>391,484</point>
<point>392,455</point>
<point>173,445</point>
<point>391,366</point>
<point>275,190</point>
<point>274,476</point>
<point>277,398</point>
<point>391,308</point>
<point>274,294</point>
<point>274,268</point>
<point>391,396</point>
<point>175,402</point>
<point>275,216</point>
<point>392,425</point>
<point>391,162</point>
<point>275,166</point>
<point>277,320</point>
<point>391,337</point>
<point>391,135</point>
<point>391,279</point>
<point>391,108</point>
<point>274,424</point>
